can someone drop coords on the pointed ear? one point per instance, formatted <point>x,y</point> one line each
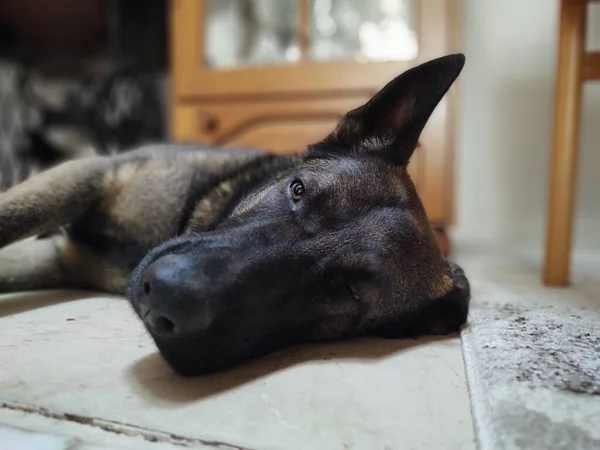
<point>392,121</point>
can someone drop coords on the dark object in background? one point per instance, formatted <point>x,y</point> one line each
<point>54,36</point>
<point>60,37</point>
<point>114,111</point>
<point>138,33</point>
<point>62,100</point>
<point>125,108</point>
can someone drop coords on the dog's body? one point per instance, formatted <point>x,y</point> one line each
<point>100,216</point>
<point>230,254</point>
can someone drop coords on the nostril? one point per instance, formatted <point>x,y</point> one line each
<point>146,288</point>
<point>161,324</point>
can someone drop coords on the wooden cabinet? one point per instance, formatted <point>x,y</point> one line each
<point>278,74</point>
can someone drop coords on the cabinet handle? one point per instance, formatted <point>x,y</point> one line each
<point>207,122</point>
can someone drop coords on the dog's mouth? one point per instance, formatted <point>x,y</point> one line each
<point>192,356</point>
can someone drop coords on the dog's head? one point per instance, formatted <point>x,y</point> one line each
<point>336,246</point>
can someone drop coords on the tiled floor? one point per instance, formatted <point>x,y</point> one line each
<point>81,369</point>
<point>52,434</point>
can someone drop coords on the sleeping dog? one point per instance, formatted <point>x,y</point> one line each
<point>229,254</point>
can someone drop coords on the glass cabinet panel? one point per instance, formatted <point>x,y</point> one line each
<point>371,30</point>
<point>250,32</point>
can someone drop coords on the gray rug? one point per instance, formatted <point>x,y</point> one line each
<point>534,376</point>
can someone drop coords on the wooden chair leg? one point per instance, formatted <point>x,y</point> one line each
<point>565,141</point>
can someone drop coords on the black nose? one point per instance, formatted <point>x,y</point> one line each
<point>168,298</point>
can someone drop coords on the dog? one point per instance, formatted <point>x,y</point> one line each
<point>227,255</point>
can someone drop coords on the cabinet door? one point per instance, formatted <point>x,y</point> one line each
<point>282,126</point>
<point>297,47</point>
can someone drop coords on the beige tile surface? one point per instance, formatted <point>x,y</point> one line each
<point>89,357</point>
<point>28,431</point>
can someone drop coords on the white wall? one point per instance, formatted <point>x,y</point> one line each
<point>505,122</point>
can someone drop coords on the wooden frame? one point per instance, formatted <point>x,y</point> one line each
<point>194,80</point>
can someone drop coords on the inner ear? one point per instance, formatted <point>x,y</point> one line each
<point>392,121</point>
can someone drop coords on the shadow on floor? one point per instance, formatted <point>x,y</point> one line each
<point>153,376</point>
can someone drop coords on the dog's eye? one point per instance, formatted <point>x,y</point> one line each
<point>297,190</point>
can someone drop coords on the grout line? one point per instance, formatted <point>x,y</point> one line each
<point>121,428</point>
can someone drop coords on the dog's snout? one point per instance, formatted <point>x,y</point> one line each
<point>168,302</point>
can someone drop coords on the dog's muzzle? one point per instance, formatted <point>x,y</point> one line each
<point>215,299</point>
<point>167,297</point>
<point>174,289</point>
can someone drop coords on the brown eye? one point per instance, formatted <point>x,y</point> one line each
<point>297,190</point>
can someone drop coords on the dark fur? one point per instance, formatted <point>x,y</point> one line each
<point>222,264</point>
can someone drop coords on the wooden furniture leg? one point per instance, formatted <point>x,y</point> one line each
<point>565,141</point>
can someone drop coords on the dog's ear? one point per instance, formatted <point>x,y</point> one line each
<point>392,121</point>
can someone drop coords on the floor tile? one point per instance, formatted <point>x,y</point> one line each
<point>91,358</point>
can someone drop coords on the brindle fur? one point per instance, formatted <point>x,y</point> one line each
<point>91,223</point>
